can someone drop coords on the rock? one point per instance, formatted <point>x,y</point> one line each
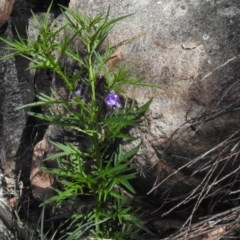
<point>41,181</point>
<point>189,49</point>
<point>16,89</point>
<point>6,7</point>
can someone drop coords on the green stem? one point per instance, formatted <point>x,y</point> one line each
<point>95,112</point>
<point>91,75</point>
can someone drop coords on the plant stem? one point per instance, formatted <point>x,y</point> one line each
<point>91,75</point>
<point>94,118</point>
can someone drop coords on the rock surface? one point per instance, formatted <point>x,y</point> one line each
<point>16,89</point>
<point>190,50</point>
<point>6,7</point>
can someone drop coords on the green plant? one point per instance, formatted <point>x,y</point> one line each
<point>96,166</point>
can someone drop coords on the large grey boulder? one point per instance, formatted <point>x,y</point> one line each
<point>190,50</point>
<point>172,44</point>
<point>16,89</point>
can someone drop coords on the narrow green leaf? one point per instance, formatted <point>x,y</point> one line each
<point>145,107</point>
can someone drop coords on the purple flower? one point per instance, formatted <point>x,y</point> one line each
<point>112,100</point>
<point>78,92</point>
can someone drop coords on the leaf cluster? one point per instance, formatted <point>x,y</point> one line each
<point>98,168</point>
